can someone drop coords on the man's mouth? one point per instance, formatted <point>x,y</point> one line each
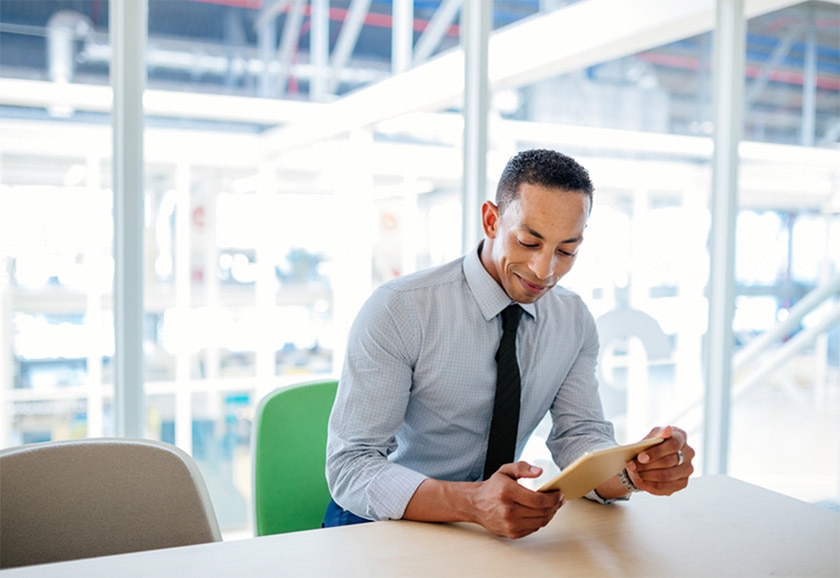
<point>534,288</point>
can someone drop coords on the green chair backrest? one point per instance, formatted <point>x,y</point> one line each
<point>289,455</point>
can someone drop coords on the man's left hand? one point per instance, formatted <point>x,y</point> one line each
<point>666,467</point>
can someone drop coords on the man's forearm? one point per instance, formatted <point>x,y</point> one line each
<point>441,501</point>
<point>500,504</point>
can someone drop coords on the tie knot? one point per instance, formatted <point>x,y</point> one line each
<point>510,317</point>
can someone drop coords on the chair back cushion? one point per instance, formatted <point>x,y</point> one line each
<point>289,455</point>
<point>84,498</point>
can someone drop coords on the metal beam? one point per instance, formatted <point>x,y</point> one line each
<point>776,334</point>
<point>766,359</point>
<point>347,38</point>
<point>269,12</point>
<point>289,43</point>
<point>267,45</point>
<point>430,39</point>
<point>234,40</point>
<point>193,105</point>
<point>578,36</point>
<point>797,344</point>
<point>778,54</point>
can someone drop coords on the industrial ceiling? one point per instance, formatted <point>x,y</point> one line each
<point>555,61</point>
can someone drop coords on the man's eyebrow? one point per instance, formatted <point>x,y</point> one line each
<point>541,238</point>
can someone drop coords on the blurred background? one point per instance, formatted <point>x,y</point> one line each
<point>300,153</point>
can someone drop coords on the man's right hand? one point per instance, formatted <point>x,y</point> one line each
<point>508,509</point>
<point>500,504</point>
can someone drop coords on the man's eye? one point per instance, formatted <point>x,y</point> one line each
<point>566,253</point>
<point>527,245</point>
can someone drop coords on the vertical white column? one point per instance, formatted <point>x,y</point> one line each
<point>319,48</point>
<point>266,279</point>
<point>94,268</point>
<point>475,26</point>
<point>212,285</point>
<point>183,307</point>
<point>809,83</point>
<point>728,70</point>
<point>128,30</point>
<point>402,35</point>
<point>267,49</point>
<point>638,390</point>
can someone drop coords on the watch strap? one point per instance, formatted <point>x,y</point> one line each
<point>625,480</point>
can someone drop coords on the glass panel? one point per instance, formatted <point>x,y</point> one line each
<point>260,249</point>
<point>55,245</point>
<point>785,399</point>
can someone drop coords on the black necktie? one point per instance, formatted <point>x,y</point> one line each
<point>505,423</point>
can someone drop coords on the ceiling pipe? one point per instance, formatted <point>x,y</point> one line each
<point>198,59</point>
<point>64,28</point>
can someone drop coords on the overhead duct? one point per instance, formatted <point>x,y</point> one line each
<point>200,59</point>
<point>66,27</point>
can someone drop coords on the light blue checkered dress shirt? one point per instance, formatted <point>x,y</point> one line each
<point>415,397</point>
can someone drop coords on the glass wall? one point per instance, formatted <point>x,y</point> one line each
<point>287,173</point>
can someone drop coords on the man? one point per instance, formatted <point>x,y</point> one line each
<point>408,435</point>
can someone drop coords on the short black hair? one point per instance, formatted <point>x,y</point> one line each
<point>542,167</point>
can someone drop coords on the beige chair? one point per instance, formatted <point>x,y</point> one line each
<point>84,498</point>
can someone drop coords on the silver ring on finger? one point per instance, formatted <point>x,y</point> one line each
<point>680,458</point>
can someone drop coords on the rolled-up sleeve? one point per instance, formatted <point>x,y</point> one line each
<point>369,410</point>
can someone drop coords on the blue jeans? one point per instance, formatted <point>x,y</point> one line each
<point>338,516</point>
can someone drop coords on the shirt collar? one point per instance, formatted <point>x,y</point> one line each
<point>488,294</point>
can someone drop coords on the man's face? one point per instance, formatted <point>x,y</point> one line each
<point>535,242</point>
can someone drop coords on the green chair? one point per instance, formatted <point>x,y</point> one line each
<point>288,452</point>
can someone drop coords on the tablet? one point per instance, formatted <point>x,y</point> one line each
<point>594,468</point>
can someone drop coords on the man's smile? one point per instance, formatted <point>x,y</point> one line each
<point>530,287</point>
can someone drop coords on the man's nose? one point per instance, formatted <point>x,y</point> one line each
<point>543,265</point>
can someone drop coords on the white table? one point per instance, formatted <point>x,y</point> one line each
<point>718,526</point>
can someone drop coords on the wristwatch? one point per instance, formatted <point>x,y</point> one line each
<point>625,480</point>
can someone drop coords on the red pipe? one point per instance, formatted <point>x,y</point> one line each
<point>337,14</point>
<point>788,77</point>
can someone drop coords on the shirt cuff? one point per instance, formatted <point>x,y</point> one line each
<point>390,491</point>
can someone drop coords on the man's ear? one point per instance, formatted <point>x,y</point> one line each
<point>490,219</point>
